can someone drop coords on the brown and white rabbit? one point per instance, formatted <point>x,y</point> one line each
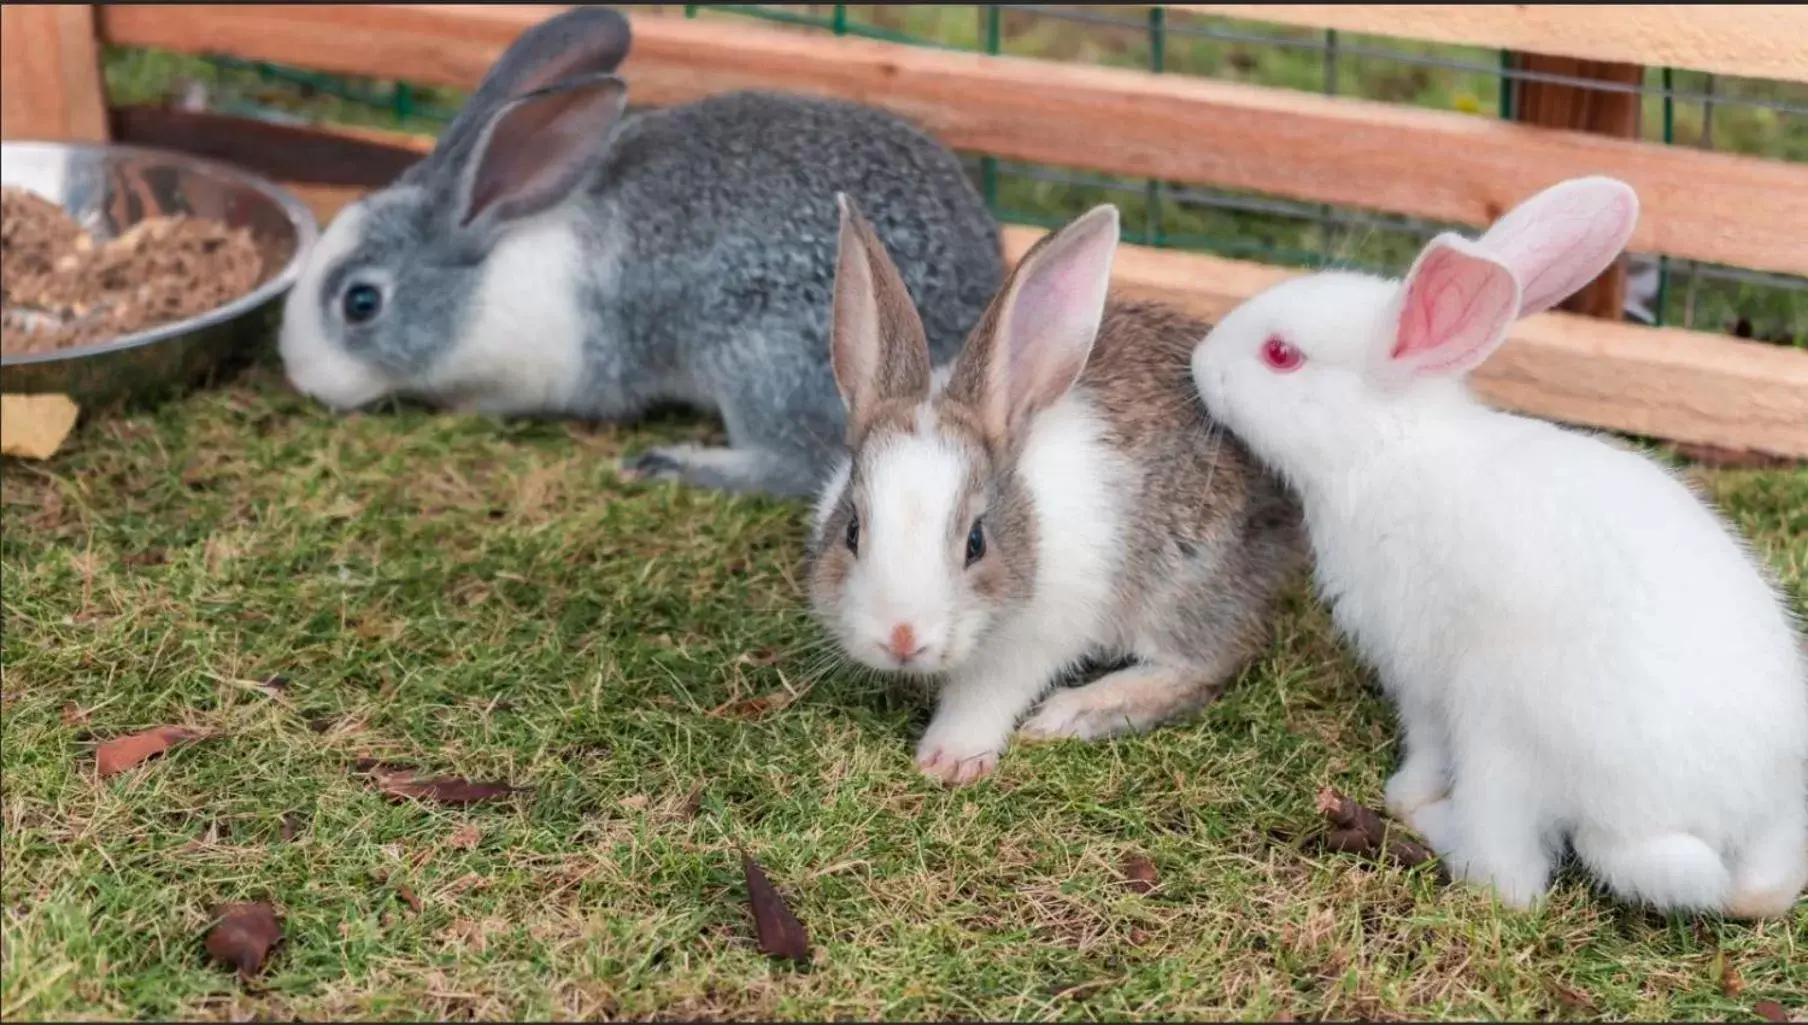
<point>1045,500</point>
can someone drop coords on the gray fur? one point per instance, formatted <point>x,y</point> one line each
<point>710,239</point>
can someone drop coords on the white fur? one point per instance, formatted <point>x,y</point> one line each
<point>903,574</point>
<point>911,567</point>
<point>523,351</point>
<point>316,364</point>
<point>1579,648</point>
<point>830,496</point>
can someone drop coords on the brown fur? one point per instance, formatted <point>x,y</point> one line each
<point>1210,539</point>
<point>1214,538</point>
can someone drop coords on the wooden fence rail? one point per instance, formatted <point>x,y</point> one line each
<point>1753,40</point>
<point>1437,165</point>
<point>1683,385</point>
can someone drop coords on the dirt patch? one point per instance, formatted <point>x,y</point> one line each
<point>61,288</point>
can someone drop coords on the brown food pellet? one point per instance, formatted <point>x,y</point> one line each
<point>60,288</point>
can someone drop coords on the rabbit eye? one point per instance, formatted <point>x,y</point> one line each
<point>976,543</point>
<point>853,534</point>
<point>362,302</point>
<point>1281,356</point>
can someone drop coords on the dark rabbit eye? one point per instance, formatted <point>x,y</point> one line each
<point>362,302</point>
<point>853,534</point>
<point>976,543</point>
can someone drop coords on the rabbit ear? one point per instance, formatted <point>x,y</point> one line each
<point>536,150</point>
<point>1562,238</point>
<point>877,346</point>
<point>581,42</point>
<point>1454,308</point>
<point>1034,341</point>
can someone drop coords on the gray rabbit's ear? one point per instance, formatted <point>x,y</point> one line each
<point>536,150</point>
<point>580,43</point>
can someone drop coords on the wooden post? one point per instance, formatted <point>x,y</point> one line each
<point>1578,108</point>
<point>50,77</point>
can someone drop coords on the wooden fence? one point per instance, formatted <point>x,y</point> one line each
<point>1665,382</point>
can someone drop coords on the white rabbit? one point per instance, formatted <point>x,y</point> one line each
<point>1579,648</point>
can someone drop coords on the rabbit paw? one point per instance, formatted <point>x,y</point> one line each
<point>1077,714</point>
<point>725,469</point>
<point>1421,781</point>
<point>957,757</point>
<point>1127,701</point>
<point>655,464</point>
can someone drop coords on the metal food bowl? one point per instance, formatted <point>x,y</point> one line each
<point>107,189</point>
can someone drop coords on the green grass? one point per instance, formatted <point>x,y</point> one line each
<point>486,599</point>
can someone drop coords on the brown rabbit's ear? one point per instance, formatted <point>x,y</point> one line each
<point>1033,342</point>
<point>877,346</point>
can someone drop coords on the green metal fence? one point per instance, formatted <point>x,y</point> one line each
<point>1768,119</point>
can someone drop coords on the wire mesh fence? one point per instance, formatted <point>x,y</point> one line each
<point>1675,107</point>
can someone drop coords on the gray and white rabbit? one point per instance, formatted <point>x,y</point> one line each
<point>557,256</point>
<point>1049,499</point>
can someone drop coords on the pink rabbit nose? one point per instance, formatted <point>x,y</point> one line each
<point>904,646</point>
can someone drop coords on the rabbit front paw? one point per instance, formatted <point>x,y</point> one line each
<point>652,465</point>
<point>957,755</point>
<point>1421,781</point>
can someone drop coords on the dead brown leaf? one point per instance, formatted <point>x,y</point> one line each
<point>1359,830</point>
<point>1139,874</point>
<point>408,897</point>
<point>465,837</point>
<point>1570,996</point>
<point>121,753</point>
<point>1770,1010</point>
<point>399,782</point>
<point>1731,982</point>
<point>74,715</point>
<point>243,935</point>
<point>779,932</point>
<point>753,708</point>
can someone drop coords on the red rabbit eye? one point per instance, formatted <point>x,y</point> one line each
<point>1281,356</point>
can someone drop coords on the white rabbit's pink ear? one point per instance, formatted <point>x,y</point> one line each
<point>1454,308</point>
<point>1562,238</point>
<point>1031,346</point>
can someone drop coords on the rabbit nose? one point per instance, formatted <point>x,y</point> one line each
<point>904,646</point>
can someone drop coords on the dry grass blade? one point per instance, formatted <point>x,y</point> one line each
<point>780,933</point>
<point>243,935</point>
<point>121,753</point>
